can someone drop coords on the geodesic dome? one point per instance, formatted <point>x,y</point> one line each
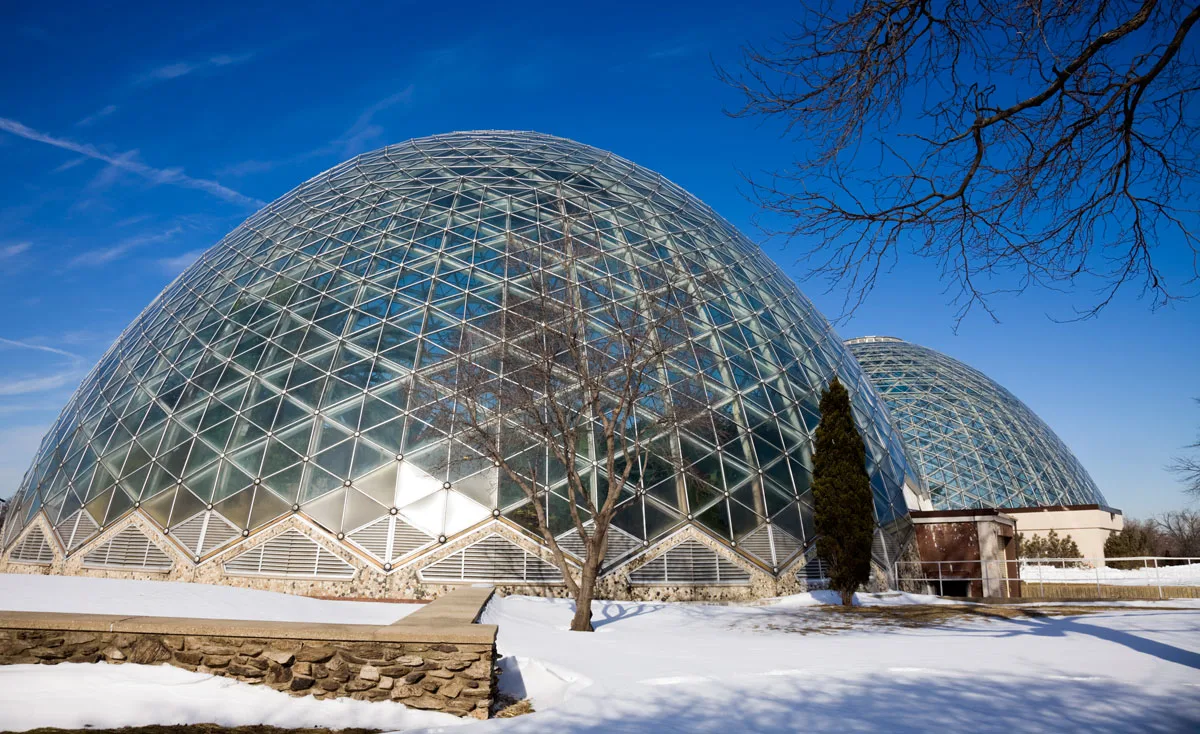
<point>974,443</point>
<point>272,377</point>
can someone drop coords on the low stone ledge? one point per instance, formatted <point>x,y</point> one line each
<point>442,661</point>
<point>400,631</point>
<point>462,606</point>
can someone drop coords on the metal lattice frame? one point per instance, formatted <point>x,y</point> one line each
<point>273,376</point>
<point>975,444</point>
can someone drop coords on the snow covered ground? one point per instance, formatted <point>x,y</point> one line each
<point>30,593</point>
<point>1183,575</point>
<point>111,696</point>
<point>665,668</point>
<point>788,665</point>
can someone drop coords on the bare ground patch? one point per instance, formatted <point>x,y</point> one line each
<point>833,619</point>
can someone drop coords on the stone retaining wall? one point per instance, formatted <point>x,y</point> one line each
<point>429,660</point>
<point>456,679</point>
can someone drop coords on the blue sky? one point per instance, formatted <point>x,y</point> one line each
<point>133,137</point>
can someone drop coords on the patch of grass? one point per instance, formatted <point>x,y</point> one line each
<point>834,619</point>
<point>933,614</point>
<point>520,708</point>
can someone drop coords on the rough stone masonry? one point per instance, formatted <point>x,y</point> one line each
<point>430,660</point>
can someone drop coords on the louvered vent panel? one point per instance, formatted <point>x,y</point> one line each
<point>129,549</point>
<point>189,533</point>
<point>884,550</point>
<point>290,554</point>
<point>408,539</point>
<point>217,533</point>
<point>374,538</point>
<point>758,544</point>
<point>814,571</point>
<point>76,530</point>
<point>204,533</point>
<point>33,548</point>
<point>690,563</point>
<point>620,544</point>
<point>785,545</point>
<point>494,559</point>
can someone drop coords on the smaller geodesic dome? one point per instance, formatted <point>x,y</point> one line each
<point>974,444</point>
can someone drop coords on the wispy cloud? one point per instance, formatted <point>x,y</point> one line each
<point>104,255</point>
<point>130,221</point>
<point>670,53</point>
<point>179,263</point>
<point>184,68</point>
<point>247,168</point>
<point>358,138</point>
<point>25,385</point>
<point>98,115</point>
<point>364,130</point>
<point>128,162</point>
<point>11,251</point>
<point>71,164</point>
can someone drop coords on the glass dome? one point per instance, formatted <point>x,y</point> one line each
<point>974,443</point>
<point>273,376</point>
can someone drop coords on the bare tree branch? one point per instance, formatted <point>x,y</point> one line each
<point>563,390</point>
<point>1017,143</point>
<point>1188,467</point>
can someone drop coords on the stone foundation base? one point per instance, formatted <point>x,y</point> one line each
<point>431,660</point>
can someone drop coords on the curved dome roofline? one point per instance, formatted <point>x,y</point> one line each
<point>872,340</point>
<point>973,442</point>
<point>288,371</point>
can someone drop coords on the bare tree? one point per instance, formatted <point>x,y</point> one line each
<point>1187,467</point>
<point>3,511</point>
<point>1016,143</point>
<point>1181,533</point>
<point>1171,534</point>
<point>564,390</point>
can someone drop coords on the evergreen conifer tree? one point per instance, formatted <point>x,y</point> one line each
<point>843,507</point>
<point>1048,546</point>
<point>1134,540</point>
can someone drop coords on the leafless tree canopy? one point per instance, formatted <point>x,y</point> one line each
<point>1180,531</point>
<point>1187,467</point>
<point>558,385</point>
<point>1017,143</point>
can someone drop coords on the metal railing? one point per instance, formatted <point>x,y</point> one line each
<point>1137,577</point>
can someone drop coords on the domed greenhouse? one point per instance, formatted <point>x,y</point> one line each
<point>974,443</point>
<point>260,421</point>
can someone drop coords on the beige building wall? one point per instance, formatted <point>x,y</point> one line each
<point>1088,525</point>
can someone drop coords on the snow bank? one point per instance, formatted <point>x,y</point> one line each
<point>106,696</point>
<point>84,595</point>
<point>544,684</point>
<point>886,599</point>
<point>1188,575</point>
